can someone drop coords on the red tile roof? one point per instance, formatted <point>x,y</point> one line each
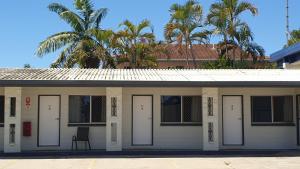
<point>201,52</point>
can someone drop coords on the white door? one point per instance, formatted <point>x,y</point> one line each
<point>232,120</point>
<point>49,120</point>
<point>142,120</point>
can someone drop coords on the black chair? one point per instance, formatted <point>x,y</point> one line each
<point>82,136</point>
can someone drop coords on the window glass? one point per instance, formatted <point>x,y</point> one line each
<point>98,109</point>
<point>192,109</point>
<point>261,109</point>
<point>12,106</point>
<point>171,108</point>
<point>1,109</point>
<point>283,108</point>
<point>79,109</point>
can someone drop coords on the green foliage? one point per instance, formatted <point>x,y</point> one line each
<point>186,27</point>
<point>225,63</point>
<point>224,16</point>
<point>295,37</point>
<point>135,45</point>
<point>82,46</point>
<point>86,45</point>
<point>27,65</point>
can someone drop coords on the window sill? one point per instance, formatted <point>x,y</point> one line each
<point>273,124</point>
<point>84,125</point>
<point>180,124</point>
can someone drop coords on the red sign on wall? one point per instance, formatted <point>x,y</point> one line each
<point>27,103</point>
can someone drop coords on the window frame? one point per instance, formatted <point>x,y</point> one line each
<point>90,123</point>
<point>181,123</point>
<point>272,123</point>
<point>2,123</point>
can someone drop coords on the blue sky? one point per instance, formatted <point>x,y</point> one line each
<point>25,23</point>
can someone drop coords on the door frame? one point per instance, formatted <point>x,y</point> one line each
<point>242,109</point>
<point>132,121</point>
<point>298,119</point>
<point>59,120</point>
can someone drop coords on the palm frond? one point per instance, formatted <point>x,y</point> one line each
<point>58,8</point>
<point>96,17</point>
<point>85,7</point>
<point>129,26</point>
<point>245,6</point>
<point>55,42</point>
<point>70,17</point>
<point>60,62</point>
<point>144,24</point>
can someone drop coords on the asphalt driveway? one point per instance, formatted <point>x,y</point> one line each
<point>127,162</point>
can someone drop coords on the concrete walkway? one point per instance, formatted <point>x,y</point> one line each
<point>209,162</point>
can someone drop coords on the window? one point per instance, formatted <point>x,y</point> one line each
<point>283,108</point>
<point>12,107</point>
<point>181,109</point>
<point>113,106</point>
<point>87,109</point>
<point>1,110</point>
<point>272,109</point>
<point>261,109</point>
<point>12,133</point>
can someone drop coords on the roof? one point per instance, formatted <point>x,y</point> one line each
<point>148,77</point>
<point>290,51</point>
<point>201,52</point>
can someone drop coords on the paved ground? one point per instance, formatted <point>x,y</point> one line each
<point>125,162</point>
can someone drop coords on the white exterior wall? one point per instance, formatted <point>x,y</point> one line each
<point>1,128</point>
<point>115,145</point>
<point>212,145</point>
<point>11,92</point>
<point>164,137</point>
<point>97,133</point>
<point>261,137</point>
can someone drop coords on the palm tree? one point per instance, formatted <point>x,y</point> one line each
<point>185,27</point>
<point>79,44</point>
<point>248,47</point>
<point>135,45</point>
<point>225,17</point>
<point>295,37</point>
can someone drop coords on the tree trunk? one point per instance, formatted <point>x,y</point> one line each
<point>92,62</point>
<point>226,47</point>
<point>187,55</point>
<point>193,56</point>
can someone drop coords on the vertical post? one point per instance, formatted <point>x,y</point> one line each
<point>210,99</point>
<point>113,119</point>
<point>12,119</point>
<point>287,23</point>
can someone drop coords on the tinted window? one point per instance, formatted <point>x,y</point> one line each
<point>283,108</point>
<point>98,109</point>
<point>261,109</point>
<point>192,108</point>
<point>12,106</point>
<point>171,108</point>
<point>79,109</point>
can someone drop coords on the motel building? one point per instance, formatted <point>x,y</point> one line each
<point>151,109</point>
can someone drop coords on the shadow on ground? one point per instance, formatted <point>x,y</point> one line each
<point>148,154</point>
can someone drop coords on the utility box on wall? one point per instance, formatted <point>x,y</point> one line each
<point>27,129</point>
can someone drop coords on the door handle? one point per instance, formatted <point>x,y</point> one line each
<point>240,118</point>
<point>57,118</point>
